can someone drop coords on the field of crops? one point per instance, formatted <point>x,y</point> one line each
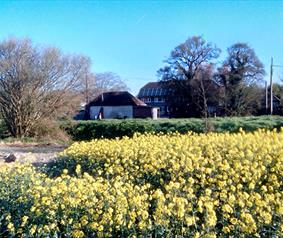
<point>191,185</point>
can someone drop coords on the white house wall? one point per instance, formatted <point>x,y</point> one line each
<point>155,113</point>
<point>93,111</point>
<point>112,111</point>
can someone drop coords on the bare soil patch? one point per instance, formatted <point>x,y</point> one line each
<point>33,153</point>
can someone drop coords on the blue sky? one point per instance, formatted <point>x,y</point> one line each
<point>133,38</point>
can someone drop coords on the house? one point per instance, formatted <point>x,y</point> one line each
<point>80,112</point>
<point>173,104</point>
<point>154,94</point>
<point>118,105</point>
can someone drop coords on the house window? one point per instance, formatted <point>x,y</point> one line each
<point>147,99</point>
<point>145,92</point>
<point>158,92</point>
<point>154,92</point>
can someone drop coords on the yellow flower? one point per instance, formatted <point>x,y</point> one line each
<point>78,234</point>
<point>10,226</point>
<point>233,221</point>
<point>150,182</point>
<point>32,230</point>
<point>24,219</point>
<point>226,229</point>
<point>78,169</point>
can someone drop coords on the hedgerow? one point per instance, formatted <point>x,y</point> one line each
<point>87,130</point>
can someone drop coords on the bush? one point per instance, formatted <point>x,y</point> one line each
<point>49,131</point>
<point>87,130</point>
<point>45,131</point>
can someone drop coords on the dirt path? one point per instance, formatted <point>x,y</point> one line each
<point>33,153</point>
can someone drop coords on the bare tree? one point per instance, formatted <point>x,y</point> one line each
<point>239,76</point>
<point>205,90</point>
<point>183,65</point>
<point>34,82</point>
<point>98,83</point>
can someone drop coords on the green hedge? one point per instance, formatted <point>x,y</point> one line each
<point>87,130</point>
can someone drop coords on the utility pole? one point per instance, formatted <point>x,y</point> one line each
<point>266,98</point>
<point>271,87</point>
<point>271,84</point>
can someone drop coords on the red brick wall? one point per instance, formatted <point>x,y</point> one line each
<point>142,112</point>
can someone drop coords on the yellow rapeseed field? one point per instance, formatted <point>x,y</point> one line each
<point>193,185</point>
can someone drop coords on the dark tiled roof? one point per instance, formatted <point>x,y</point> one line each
<point>116,99</point>
<point>152,85</point>
<point>152,89</point>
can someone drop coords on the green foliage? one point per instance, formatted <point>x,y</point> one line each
<point>233,124</point>
<point>87,130</point>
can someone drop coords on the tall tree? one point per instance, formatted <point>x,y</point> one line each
<point>108,81</point>
<point>95,84</point>
<point>205,91</point>
<point>35,83</point>
<point>184,63</point>
<point>239,76</point>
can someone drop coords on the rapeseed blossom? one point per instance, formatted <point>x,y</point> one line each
<point>193,185</point>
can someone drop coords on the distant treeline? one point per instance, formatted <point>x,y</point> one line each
<point>201,86</point>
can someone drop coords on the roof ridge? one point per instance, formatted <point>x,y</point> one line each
<point>116,98</point>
